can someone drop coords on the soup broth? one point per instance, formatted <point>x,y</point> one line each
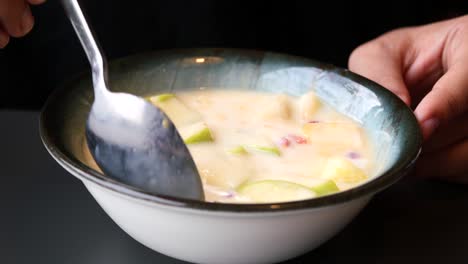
<point>254,147</point>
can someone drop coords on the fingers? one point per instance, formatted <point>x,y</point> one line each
<point>382,63</point>
<point>448,164</point>
<point>447,100</point>
<point>431,60</point>
<point>448,134</point>
<point>4,38</point>
<point>16,17</point>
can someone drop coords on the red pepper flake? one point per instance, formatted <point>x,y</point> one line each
<point>298,139</point>
<point>284,142</point>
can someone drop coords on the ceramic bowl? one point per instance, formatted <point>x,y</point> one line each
<point>205,232</point>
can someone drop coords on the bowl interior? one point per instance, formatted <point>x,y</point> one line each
<point>390,124</point>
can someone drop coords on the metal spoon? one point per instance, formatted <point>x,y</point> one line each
<point>130,139</point>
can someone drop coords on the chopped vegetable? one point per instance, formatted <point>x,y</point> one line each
<point>178,112</point>
<point>279,107</point>
<point>269,191</point>
<point>196,133</point>
<point>267,149</point>
<point>298,139</point>
<point>353,155</point>
<point>229,194</point>
<point>162,97</point>
<point>343,171</point>
<point>284,142</point>
<point>226,173</point>
<point>308,106</point>
<point>327,187</point>
<point>239,150</point>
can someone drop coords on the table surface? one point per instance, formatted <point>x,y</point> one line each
<point>47,216</point>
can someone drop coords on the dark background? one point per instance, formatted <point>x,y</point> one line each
<point>31,67</point>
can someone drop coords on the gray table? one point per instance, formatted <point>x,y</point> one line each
<point>47,216</point>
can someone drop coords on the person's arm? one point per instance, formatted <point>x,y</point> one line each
<point>427,67</point>
<point>16,19</point>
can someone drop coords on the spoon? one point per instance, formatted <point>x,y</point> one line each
<point>130,139</point>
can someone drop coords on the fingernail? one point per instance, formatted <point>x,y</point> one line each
<point>27,21</point>
<point>429,126</point>
<point>4,39</point>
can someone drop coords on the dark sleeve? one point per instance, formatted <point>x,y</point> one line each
<point>31,67</point>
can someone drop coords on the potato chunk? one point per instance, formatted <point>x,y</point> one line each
<point>345,135</point>
<point>227,172</point>
<point>308,106</point>
<point>178,112</point>
<point>279,107</point>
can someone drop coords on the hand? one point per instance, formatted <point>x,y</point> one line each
<point>16,19</point>
<point>427,67</point>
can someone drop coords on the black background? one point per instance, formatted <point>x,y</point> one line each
<point>31,67</point>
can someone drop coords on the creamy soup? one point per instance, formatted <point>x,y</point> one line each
<point>260,147</point>
<point>253,147</point>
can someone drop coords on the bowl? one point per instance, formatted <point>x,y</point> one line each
<point>205,232</point>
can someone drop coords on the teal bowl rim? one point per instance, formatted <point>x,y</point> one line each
<point>402,165</point>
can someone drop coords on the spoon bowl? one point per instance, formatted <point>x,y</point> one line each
<point>129,138</point>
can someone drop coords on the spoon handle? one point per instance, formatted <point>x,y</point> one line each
<point>90,45</point>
